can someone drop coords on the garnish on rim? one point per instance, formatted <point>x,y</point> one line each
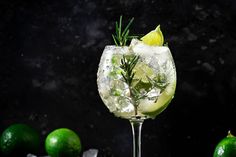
<point>154,38</point>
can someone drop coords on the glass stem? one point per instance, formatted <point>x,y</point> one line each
<point>136,125</point>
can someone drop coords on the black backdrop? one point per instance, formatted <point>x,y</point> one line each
<point>49,54</point>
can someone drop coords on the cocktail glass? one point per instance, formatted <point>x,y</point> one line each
<point>151,89</point>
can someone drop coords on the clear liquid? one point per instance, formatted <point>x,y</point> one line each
<point>153,72</point>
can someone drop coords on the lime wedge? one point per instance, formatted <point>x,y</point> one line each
<point>154,38</point>
<point>153,109</point>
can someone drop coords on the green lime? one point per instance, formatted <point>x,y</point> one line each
<point>143,71</point>
<point>63,142</point>
<point>154,38</point>
<point>19,140</point>
<point>163,101</point>
<point>226,147</point>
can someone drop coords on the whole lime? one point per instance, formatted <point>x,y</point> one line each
<point>19,140</point>
<point>63,142</point>
<point>226,147</point>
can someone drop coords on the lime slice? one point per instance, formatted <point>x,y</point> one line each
<point>143,72</point>
<point>154,38</point>
<point>152,109</point>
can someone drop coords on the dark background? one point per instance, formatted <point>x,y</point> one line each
<point>49,55</point>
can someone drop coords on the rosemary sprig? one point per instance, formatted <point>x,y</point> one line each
<point>122,36</point>
<point>128,64</point>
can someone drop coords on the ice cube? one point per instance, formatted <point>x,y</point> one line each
<point>153,94</point>
<point>90,153</point>
<point>124,104</point>
<point>106,58</point>
<point>119,85</point>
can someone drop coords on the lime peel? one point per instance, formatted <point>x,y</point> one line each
<point>63,142</point>
<point>226,147</point>
<point>162,102</point>
<point>18,140</point>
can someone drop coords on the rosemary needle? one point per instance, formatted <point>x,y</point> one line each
<point>122,36</point>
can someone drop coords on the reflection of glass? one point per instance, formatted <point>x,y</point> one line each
<point>152,87</point>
